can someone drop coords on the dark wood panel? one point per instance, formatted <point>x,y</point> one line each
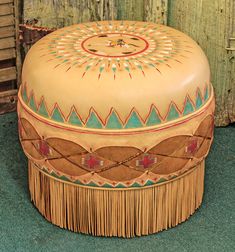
<point>6,1</point>
<point>7,43</point>
<point>7,54</point>
<point>7,74</point>
<point>8,101</point>
<point>6,20</point>
<point>7,31</point>
<point>6,9</point>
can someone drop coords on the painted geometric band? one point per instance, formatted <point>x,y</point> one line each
<point>113,120</point>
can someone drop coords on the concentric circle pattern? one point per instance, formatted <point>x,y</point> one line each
<point>115,43</point>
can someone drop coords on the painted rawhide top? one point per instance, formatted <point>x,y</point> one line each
<point>115,75</point>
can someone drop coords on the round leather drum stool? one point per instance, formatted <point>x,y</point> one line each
<point>116,119</point>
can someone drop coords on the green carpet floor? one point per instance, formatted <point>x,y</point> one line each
<point>22,228</point>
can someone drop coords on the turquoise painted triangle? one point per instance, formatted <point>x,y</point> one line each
<point>24,96</point>
<point>93,122</point>
<point>188,108</point>
<point>78,182</point>
<point>107,186</point>
<point>42,110</point>
<point>113,122</point>
<point>134,121</point>
<point>74,119</point>
<point>148,183</point>
<point>119,185</point>
<point>57,116</point>
<point>54,174</point>
<point>198,100</point>
<point>92,184</point>
<point>173,114</point>
<point>206,94</point>
<point>136,185</point>
<point>65,178</point>
<point>32,104</point>
<point>153,118</point>
<point>161,180</point>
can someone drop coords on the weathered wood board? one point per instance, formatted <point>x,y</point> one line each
<point>212,25</point>
<point>60,13</point>
<point>10,63</point>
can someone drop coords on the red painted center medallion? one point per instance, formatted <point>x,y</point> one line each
<point>115,45</point>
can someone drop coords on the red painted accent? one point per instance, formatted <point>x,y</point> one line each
<point>192,146</point>
<point>91,162</point>
<point>147,161</point>
<point>120,56</point>
<point>44,148</point>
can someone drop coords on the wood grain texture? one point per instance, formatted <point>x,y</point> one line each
<point>209,23</point>
<point>7,42</point>
<point>10,66</point>
<point>60,13</point>
<point>7,54</point>
<point>8,101</point>
<point>6,20</point>
<point>7,31</point>
<point>7,74</point>
<point>6,9</point>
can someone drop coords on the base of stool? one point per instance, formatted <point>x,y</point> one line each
<point>117,212</point>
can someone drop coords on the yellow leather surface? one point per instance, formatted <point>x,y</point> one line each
<point>170,69</point>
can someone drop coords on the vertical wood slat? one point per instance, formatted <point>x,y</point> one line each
<point>207,22</point>
<point>60,13</point>
<point>9,54</point>
<point>17,8</point>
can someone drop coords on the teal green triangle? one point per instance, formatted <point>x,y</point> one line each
<point>113,122</point>
<point>57,116</point>
<point>32,104</point>
<point>198,100</point>
<point>74,119</point>
<point>42,109</point>
<point>54,174</point>
<point>92,184</point>
<point>153,118</point>
<point>65,178</point>
<point>120,186</point>
<point>134,121</point>
<point>161,180</point>
<point>206,94</point>
<point>188,108</point>
<point>24,96</point>
<point>148,183</point>
<point>78,182</point>
<point>107,186</point>
<point>136,185</point>
<point>93,122</point>
<point>173,114</point>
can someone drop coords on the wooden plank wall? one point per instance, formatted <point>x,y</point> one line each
<point>211,24</point>
<point>60,13</point>
<point>9,55</point>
